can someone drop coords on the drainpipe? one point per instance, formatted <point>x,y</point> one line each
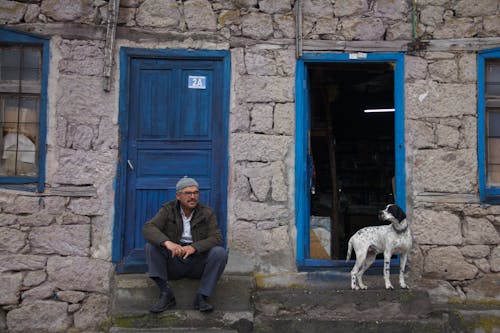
<point>113,7</point>
<point>414,19</point>
<point>298,28</point>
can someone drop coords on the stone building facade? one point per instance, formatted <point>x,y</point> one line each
<point>56,245</point>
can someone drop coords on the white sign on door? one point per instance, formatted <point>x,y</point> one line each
<point>197,82</point>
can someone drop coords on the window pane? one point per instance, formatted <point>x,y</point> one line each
<point>493,123</point>
<point>493,89</point>
<point>493,71</point>
<point>31,64</point>
<point>494,151</point>
<point>10,61</point>
<point>19,137</point>
<point>29,111</point>
<point>493,78</point>
<point>494,175</point>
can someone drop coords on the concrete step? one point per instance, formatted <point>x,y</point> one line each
<point>294,302</point>
<point>301,325</point>
<point>170,330</point>
<point>134,294</point>
<point>323,309</point>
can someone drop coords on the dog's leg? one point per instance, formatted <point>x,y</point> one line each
<point>354,276</point>
<point>358,266</point>
<point>354,284</point>
<point>402,265</point>
<point>370,258</point>
<point>387,269</point>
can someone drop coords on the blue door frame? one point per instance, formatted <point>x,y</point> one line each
<point>128,259</point>
<point>302,172</point>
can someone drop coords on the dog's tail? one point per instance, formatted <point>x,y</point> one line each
<point>349,249</point>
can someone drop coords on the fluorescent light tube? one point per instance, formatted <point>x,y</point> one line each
<point>378,110</point>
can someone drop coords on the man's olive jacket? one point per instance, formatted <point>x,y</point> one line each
<point>167,225</point>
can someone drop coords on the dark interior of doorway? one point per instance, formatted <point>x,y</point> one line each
<point>351,151</point>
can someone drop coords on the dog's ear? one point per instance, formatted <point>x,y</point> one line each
<point>397,212</point>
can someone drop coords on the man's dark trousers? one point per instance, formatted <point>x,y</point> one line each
<point>207,266</point>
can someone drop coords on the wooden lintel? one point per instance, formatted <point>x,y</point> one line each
<point>463,44</point>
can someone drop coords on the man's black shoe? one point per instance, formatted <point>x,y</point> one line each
<point>200,303</point>
<point>167,300</point>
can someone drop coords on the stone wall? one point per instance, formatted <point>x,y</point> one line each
<point>55,247</point>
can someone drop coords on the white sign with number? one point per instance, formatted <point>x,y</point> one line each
<point>197,82</point>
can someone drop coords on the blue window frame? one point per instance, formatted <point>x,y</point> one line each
<point>24,63</point>
<point>489,125</point>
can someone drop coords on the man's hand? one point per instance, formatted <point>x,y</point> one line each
<point>175,248</point>
<point>188,250</point>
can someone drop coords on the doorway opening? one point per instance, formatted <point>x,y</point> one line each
<point>351,151</point>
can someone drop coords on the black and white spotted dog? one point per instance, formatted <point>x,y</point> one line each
<point>394,238</point>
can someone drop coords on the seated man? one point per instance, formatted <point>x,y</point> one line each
<point>184,240</point>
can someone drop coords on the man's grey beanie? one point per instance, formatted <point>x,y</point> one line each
<point>185,182</point>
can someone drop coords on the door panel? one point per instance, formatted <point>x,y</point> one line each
<point>172,128</point>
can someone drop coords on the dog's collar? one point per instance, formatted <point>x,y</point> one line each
<point>400,227</point>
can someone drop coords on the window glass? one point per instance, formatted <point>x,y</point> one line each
<point>10,61</point>
<point>492,122</point>
<point>31,64</point>
<point>20,73</point>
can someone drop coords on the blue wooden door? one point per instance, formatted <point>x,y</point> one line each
<point>176,125</point>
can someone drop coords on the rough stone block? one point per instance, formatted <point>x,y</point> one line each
<point>79,273</point>
<point>259,211</point>
<point>275,6</point>
<point>321,8</point>
<point>11,12</point>
<point>68,10</point>
<point>71,240</point>
<point>446,171</point>
<point>365,28</point>
<point>7,220</point>
<point>444,70</point>
<point>36,220</point>
<point>21,262</point>
<point>40,316</point>
<point>284,118</point>
<point>261,118</point>
<point>34,278</point>
<point>495,259</point>
<point>492,24</point>
<point>394,10</point>
<point>259,148</point>
<point>475,251</point>
<point>11,240</point>
<point>285,25</point>
<point>486,287</point>
<point>41,292</point>
<point>480,231</point>
<point>471,8</point>
<point>70,296</point>
<point>199,15</point>
<point>24,205</point>
<point>158,13</point>
<point>260,63</point>
<point>257,26</point>
<point>10,284</point>
<point>430,99</point>
<point>463,27</point>
<point>448,263</point>
<point>82,98</point>
<point>79,167</point>
<point>31,14</point>
<point>436,228</point>
<point>85,207</point>
<point>93,313</point>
